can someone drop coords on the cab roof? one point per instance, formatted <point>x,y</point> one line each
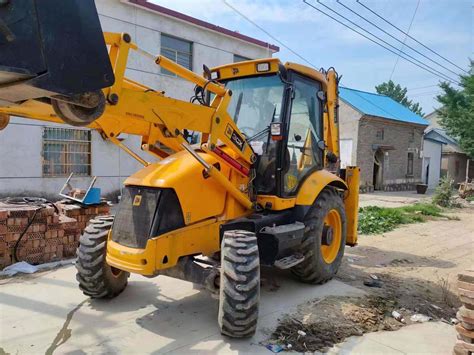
<point>251,67</point>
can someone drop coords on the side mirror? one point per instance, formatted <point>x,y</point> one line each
<point>322,145</point>
<point>321,95</point>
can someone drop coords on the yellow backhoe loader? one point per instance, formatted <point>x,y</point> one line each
<point>245,174</point>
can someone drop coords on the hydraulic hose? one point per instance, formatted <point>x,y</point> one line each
<point>27,201</point>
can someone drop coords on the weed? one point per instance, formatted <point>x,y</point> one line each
<point>374,219</point>
<point>446,295</point>
<point>444,193</point>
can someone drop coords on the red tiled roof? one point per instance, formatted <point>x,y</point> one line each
<point>197,22</point>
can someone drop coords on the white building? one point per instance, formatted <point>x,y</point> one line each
<point>38,156</point>
<point>434,140</point>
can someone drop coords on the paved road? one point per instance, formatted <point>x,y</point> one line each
<point>47,312</point>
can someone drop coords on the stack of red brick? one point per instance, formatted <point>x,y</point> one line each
<point>465,315</point>
<point>50,237</point>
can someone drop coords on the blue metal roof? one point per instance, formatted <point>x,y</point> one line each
<point>379,105</point>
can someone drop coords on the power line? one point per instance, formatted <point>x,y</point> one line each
<point>405,39</point>
<point>395,38</point>
<point>422,66</point>
<point>423,87</point>
<point>408,35</point>
<point>269,35</point>
<point>426,93</point>
<point>440,74</point>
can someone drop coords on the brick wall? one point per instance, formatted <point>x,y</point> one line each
<point>404,138</point>
<point>50,237</point>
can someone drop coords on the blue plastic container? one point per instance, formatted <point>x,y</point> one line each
<point>92,197</point>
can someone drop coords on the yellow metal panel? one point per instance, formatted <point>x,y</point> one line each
<point>164,251</point>
<point>314,184</point>
<point>351,203</point>
<point>224,129</point>
<point>278,203</point>
<point>246,68</point>
<point>200,197</point>
<point>202,238</point>
<point>139,261</point>
<point>332,138</point>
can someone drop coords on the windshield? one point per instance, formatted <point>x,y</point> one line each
<point>255,103</point>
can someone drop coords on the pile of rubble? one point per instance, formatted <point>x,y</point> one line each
<point>46,235</point>
<point>465,328</point>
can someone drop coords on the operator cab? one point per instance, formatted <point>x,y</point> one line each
<point>287,101</point>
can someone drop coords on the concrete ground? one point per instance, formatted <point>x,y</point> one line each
<point>393,198</point>
<point>426,338</point>
<point>46,313</point>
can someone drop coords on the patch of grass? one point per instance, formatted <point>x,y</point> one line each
<point>470,198</point>
<point>374,219</point>
<point>426,209</point>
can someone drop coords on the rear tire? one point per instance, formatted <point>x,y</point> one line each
<point>96,278</point>
<point>239,284</point>
<point>322,261</point>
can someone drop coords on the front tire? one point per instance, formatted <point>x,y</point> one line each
<point>239,284</point>
<point>324,240</point>
<point>96,278</point>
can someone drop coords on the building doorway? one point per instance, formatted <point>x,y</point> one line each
<point>427,171</point>
<point>377,181</point>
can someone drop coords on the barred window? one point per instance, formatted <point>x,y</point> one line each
<point>66,151</point>
<point>380,134</point>
<point>178,50</point>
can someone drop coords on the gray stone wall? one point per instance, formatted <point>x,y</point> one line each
<point>403,138</point>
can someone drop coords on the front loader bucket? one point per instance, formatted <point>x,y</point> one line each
<point>51,47</point>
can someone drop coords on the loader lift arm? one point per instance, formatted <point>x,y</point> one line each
<point>136,109</point>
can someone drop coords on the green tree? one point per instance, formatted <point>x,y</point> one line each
<point>396,92</point>
<point>457,110</point>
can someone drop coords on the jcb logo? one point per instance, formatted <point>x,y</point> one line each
<point>137,200</point>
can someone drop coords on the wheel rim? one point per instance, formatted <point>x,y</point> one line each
<point>333,221</point>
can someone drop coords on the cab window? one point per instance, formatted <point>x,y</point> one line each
<point>304,133</point>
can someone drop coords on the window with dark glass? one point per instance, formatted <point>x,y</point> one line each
<point>380,134</point>
<point>410,164</point>
<point>304,134</point>
<point>178,50</point>
<point>255,103</point>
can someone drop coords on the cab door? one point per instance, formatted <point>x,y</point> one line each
<point>305,130</point>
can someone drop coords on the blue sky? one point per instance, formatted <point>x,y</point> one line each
<point>446,26</point>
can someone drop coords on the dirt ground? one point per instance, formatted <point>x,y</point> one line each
<point>415,266</point>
